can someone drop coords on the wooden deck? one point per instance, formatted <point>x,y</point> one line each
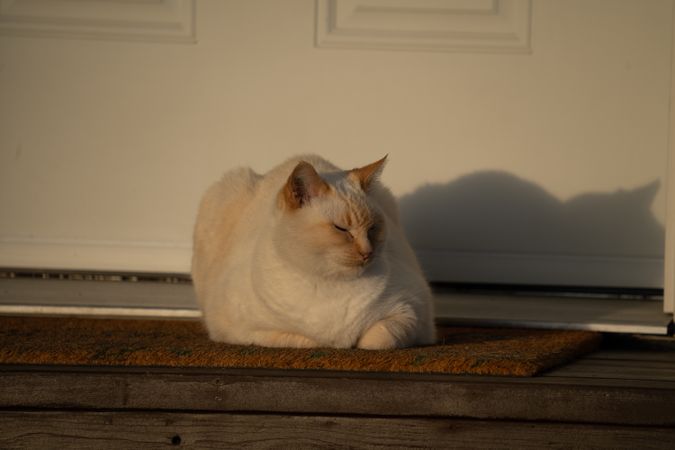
<point>622,396</point>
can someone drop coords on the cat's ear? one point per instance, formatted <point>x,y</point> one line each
<point>367,174</point>
<point>647,192</point>
<point>302,185</point>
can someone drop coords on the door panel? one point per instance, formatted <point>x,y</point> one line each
<point>544,165</point>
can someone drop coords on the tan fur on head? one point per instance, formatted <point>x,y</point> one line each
<point>364,231</point>
<point>333,227</point>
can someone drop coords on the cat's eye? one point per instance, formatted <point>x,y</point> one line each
<point>339,228</point>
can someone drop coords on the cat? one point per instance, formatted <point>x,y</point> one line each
<point>308,255</point>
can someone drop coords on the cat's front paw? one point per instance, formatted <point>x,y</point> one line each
<point>385,335</point>
<point>377,337</point>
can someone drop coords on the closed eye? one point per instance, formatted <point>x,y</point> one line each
<point>339,228</point>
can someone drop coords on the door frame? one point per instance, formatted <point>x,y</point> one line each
<point>669,255</point>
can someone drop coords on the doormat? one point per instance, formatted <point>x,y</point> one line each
<point>181,343</point>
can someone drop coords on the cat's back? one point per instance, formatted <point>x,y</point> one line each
<point>221,209</point>
<point>224,203</point>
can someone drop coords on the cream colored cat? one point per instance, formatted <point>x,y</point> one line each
<point>308,255</point>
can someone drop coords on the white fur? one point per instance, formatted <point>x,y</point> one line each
<point>260,281</point>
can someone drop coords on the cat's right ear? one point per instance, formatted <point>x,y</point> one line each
<point>367,174</point>
<point>302,185</point>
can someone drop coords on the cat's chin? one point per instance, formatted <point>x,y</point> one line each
<point>353,271</point>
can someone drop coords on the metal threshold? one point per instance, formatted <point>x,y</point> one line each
<point>176,300</point>
<point>577,313</point>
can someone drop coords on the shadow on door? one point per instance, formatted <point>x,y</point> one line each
<point>492,214</point>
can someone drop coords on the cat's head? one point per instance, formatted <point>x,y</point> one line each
<point>329,225</point>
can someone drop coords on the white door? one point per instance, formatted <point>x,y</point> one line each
<point>527,141</point>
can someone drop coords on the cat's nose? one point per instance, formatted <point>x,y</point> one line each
<point>366,255</point>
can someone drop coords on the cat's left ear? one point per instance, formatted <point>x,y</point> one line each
<point>302,185</point>
<point>367,174</point>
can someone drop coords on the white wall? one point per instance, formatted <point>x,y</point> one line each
<point>107,141</point>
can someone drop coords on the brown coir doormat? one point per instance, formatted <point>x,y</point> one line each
<point>175,343</point>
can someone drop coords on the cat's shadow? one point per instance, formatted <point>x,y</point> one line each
<point>494,212</point>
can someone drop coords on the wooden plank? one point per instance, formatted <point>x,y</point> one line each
<point>550,399</point>
<point>632,357</point>
<point>626,357</point>
<point>122,430</point>
<point>618,369</point>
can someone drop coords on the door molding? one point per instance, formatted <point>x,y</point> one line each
<point>501,26</point>
<point>131,20</point>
